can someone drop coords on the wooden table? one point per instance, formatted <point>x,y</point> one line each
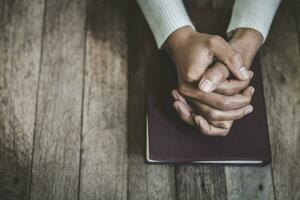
<point>72,109</point>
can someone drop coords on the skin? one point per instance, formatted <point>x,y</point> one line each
<point>213,111</point>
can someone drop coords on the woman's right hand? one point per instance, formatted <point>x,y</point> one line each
<point>194,52</point>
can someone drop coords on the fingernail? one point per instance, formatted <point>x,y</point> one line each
<point>199,122</point>
<point>225,125</point>
<point>178,97</point>
<point>174,95</point>
<point>251,74</point>
<point>206,86</point>
<point>248,110</point>
<point>183,110</point>
<point>245,73</point>
<point>252,90</point>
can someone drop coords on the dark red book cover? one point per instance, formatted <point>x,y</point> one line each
<point>170,140</point>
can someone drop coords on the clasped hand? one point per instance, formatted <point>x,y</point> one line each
<point>213,77</point>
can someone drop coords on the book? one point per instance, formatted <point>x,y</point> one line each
<point>170,140</point>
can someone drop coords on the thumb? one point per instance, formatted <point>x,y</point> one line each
<point>230,57</point>
<point>213,77</point>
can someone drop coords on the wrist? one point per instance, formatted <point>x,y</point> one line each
<point>178,38</point>
<point>247,41</point>
<point>248,34</point>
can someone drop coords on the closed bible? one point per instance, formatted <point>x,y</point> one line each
<point>170,140</point>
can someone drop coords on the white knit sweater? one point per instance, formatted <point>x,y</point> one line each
<point>165,16</point>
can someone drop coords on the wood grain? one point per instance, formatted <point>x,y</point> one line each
<point>144,181</point>
<point>97,102</point>
<point>246,182</point>
<point>201,182</point>
<point>249,183</point>
<point>281,71</point>
<point>104,144</point>
<point>20,46</point>
<point>58,124</point>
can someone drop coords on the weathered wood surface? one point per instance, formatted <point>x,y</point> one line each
<point>56,155</point>
<point>144,181</point>
<point>219,182</point>
<point>202,182</point>
<point>246,182</point>
<point>79,68</point>
<point>281,71</point>
<point>20,45</point>
<point>104,138</point>
<point>249,183</point>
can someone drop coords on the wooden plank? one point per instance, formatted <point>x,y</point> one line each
<point>246,182</point>
<point>281,72</point>
<point>201,182</point>
<point>104,145</point>
<point>144,181</point>
<point>20,45</point>
<point>58,126</point>
<point>249,183</point>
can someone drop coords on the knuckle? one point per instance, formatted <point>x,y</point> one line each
<point>235,90</point>
<point>206,132</point>
<point>191,76</point>
<point>223,87</point>
<point>218,73</point>
<point>182,89</point>
<point>235,58</point>
<point>224,133</point>
<point>202,52</point>
<point>225,125</point>
<point>229,125</point>
<point>205,59</point>
<point>224,104</point>
<point>213,115</point>
<point>230,91</point>
<point>213,39</point>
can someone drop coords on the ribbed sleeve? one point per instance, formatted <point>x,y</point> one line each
<point>256,14</point>
<point>164,17</point>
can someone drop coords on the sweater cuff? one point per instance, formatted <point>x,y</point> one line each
<point>164,17</point>
<point>255,14</point>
